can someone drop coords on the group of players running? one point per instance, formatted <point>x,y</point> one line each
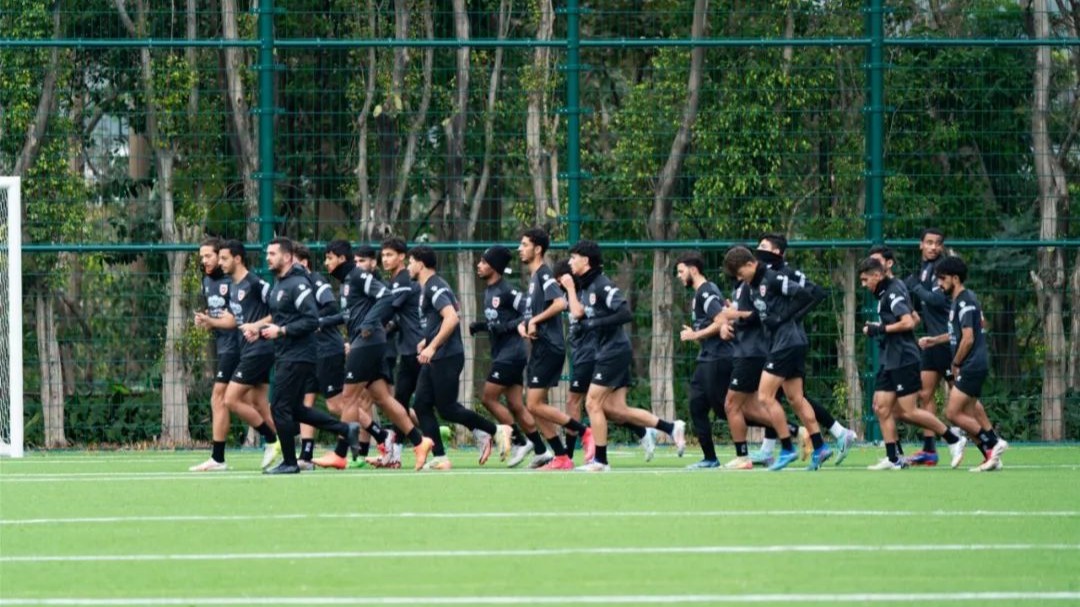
<point>753,349</point>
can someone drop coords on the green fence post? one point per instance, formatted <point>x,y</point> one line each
<point>573,120</point>
<point>875,177</point>
<point>266,121</point>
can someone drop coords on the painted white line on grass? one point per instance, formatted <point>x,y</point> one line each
<point>210,518</point>
<point>541,552</point>
<point>638,599</point>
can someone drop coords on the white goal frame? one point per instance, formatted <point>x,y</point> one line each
<point>13,185</point>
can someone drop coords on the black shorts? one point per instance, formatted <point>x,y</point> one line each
<point>391,363</point>
<point>903,381</point>
<point>253,370</point>
<point>746,375</point>
<point>506,374</point>
<point>613,372</point>
<point>330,375</point>
<point>581,377</point>
<point>710,382</point>
<point>226,366</point>
<point>366,364</point>
<point>971,382</point>
<point>545,367</point>
<point>408,373</point>
<point>789,363</point>
<point>937,359</point>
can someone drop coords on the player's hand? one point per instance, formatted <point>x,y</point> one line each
<point>477,327</point>
<point>348,347</point>
<point>522,331</point>
<point>925,343</point>
<point>687,334</point>
<point>955,372</point>
<point>531,331</point>
<point>727,332</point>
<point>425,355</point>
<point>270,332</point>
<point>420,346</point>
<point>567,282</point>
<point>200,319</point>
<point>250,331</point>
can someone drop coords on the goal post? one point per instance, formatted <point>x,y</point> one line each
<point>11,320</point>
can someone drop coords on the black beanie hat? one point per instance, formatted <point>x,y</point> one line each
<point>498,257</point>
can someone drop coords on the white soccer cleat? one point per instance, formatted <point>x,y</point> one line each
<point>1000,447</point>
<point>679,434</point>
<point>271,452</point>
<point>388,447</point>
<point>305,465</point>
<point>990,465</point>
<point>541,460</point>
<point>594,466</point>
<point>209,466</point>
<point>648,443</point>
<point>956,451</point>
<point>518,454</point>
<point>503,442</point>
<point>885,464</point>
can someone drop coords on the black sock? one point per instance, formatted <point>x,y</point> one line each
<point>770,433</point>
<point>988,438</point>
<point>949,437</point>
<point>708,449</point>
<point>785,444</point>
<point>267,434</point>
<point>217,452</point>
<point>571,444</point>
<point>363,449</point>
<point>342,447</point>
<point>890,452</point>
<point>307,449</point>
<point>288,448</point>
<point>982,449</point>
<point>399,436</point>
<point>376,432</point>
<point>575,426</point>
<point>556,446</point>
<point>741,450</point>
<point>538,442</point>
<point>516,437</point>
<point>637,431</point>
<point>601,454</point>
<point>665,426</point>
<point>415,438</point>
<point>929,444</point>
<point>817,441</point>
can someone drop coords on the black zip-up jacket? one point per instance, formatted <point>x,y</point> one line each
<point>292,307</point>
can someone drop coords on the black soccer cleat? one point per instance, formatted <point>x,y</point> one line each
<point>283,468</point>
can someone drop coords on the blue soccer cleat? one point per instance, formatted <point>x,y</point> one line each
<point>782,460</point>
<point>819,456</point>
<point>704,465</point>
<point>924,458</point>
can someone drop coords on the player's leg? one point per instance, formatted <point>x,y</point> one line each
<point>700,408</point>
<point>598,423</point>
<point>383,397</point>
<point>219,416</point>
<point>884,400</point>
<point>767,390</point>
<point>446,374</point>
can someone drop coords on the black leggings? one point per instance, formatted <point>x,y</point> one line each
<point>290,382</point>
<point>437,390</point>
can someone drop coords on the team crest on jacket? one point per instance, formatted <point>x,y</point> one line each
<point>345,291</point>
<point>592,299</point>
<point>223,289</point>
<point>240,295</point>
<point>764,289</point>
<point>495,302</point>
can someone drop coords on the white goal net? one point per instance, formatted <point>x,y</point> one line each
<point>11,377</point>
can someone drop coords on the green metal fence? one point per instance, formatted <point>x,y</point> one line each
<point>653,128</point>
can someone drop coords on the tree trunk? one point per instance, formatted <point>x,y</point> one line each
<point>465,269</point>
<point>662,227</point>
<point>419,118</point>
<point>847,347</point>
<point>52,388</point>
<point>362,173</point>
<point>1074,333</point>
<point>241,118</point>
<point>1050,279</point>
<point>534,150</point>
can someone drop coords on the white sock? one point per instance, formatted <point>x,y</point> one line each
<point>768,445</point>
<point>837,430</point>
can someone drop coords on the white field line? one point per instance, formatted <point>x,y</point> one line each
<point>210,518</point>
<point>877,597</point>
<point>542,552</point>
<point>96,477</point>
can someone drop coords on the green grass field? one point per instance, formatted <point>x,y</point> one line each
<point>133,528</point>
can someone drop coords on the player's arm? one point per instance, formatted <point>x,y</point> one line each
<point>225,322</point>
<point>618,308</point>
<point>574,304</point>
<point>713,308</point>
<point>930,341</point>
<point>967,342</point>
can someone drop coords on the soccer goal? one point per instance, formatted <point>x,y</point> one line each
<point>11,336</point>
